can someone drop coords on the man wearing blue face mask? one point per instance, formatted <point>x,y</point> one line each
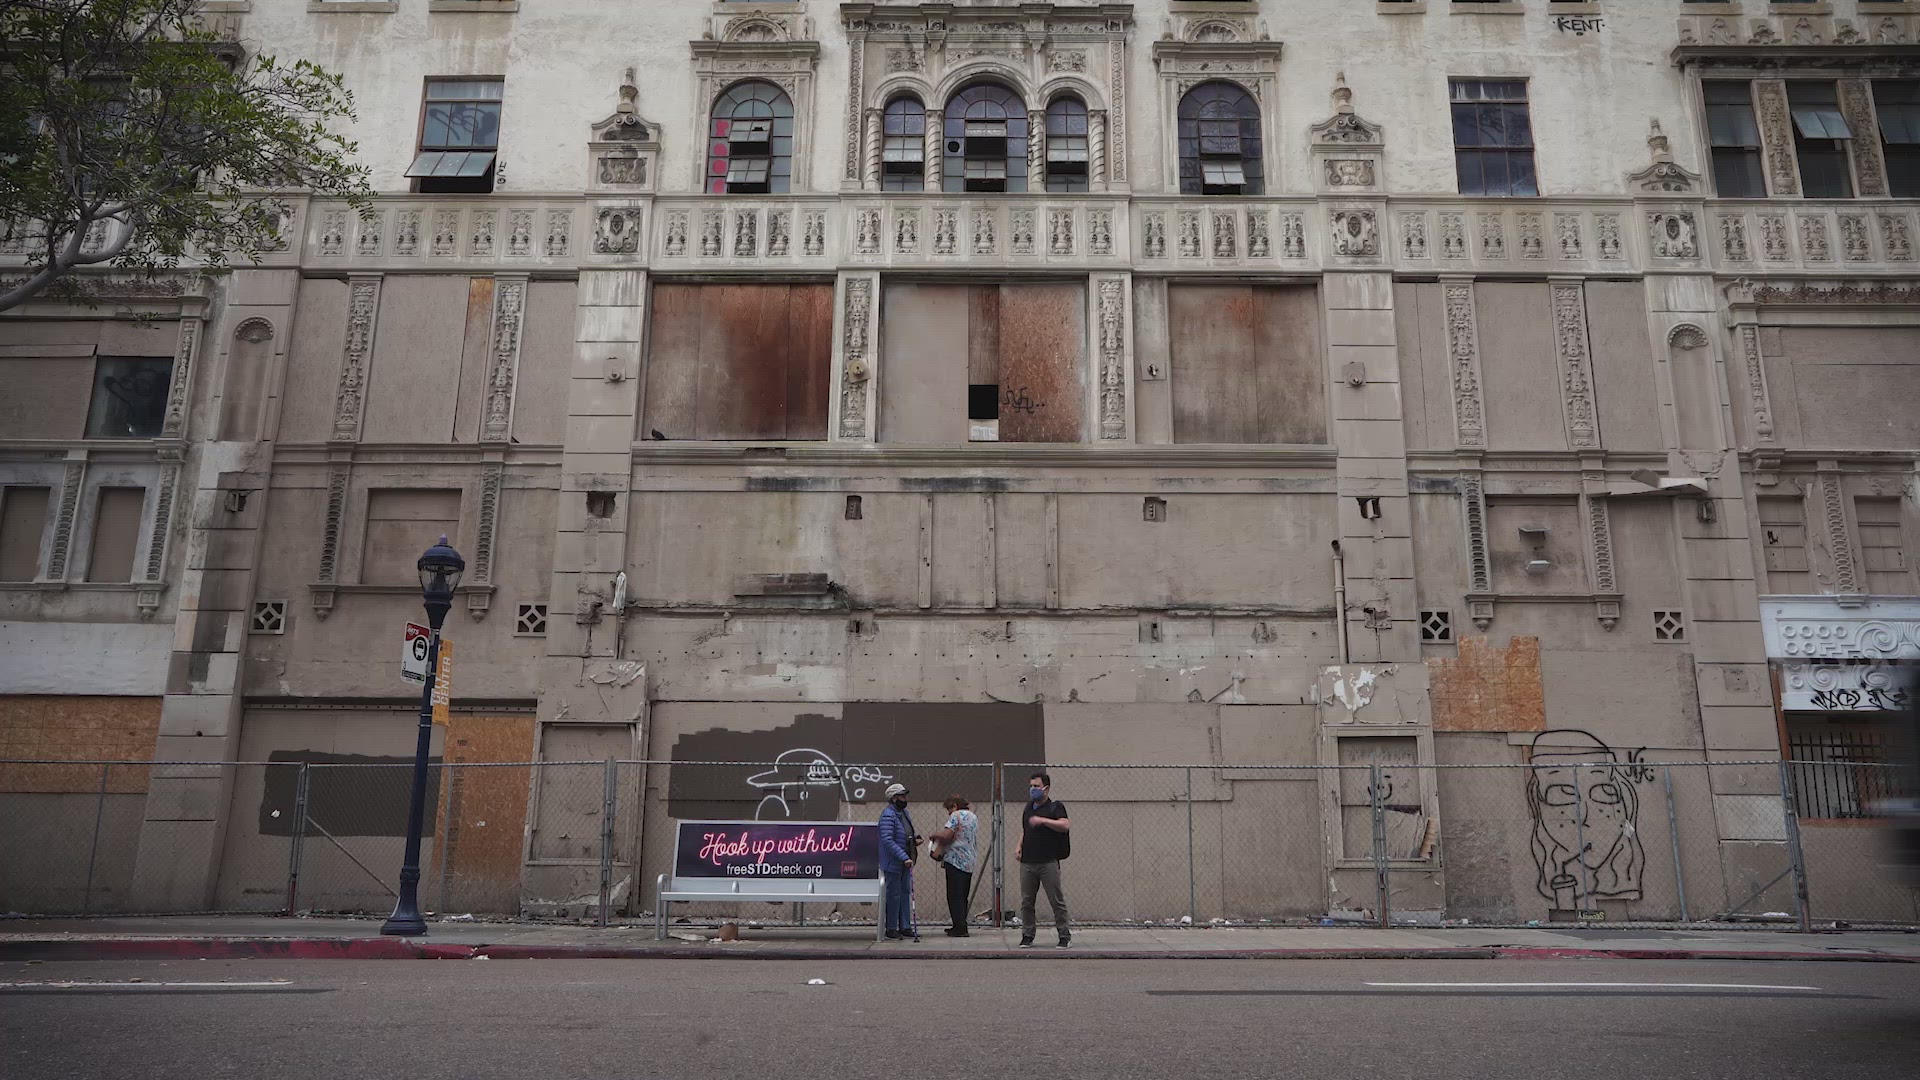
<point>1044,841</point>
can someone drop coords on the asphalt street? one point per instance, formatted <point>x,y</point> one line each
<point>1052,1019</point>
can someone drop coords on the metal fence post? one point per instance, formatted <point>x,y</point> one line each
<point>1673,834</point>
<point>1580,839</point>
<point>1795,857</point>
<point>93,852</point>
<point>999,845</point>
<point>299,836</point>
<point>608,799</point>
<point>1193,909</point>
<point>1381,875</point>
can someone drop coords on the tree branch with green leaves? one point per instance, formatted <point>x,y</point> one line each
<point>125,121</point>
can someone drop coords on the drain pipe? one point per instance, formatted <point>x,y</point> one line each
<point>1340,599</point>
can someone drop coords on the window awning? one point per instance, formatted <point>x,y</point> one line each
<point>451,163</point>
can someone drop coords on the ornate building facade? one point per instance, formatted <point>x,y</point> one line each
<point>1193,382</point>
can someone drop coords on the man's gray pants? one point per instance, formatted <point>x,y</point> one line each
<point>1032,876</point>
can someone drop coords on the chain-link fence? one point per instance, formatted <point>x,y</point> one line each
<point>1378,842</point>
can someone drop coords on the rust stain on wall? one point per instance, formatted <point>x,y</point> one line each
<point>77,729</point>
<point>1489,689</point>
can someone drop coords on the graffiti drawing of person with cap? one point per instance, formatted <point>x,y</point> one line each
<point>898,846</point>
<point>1586,819</point>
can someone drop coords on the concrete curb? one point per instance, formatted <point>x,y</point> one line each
<point>386,948</point>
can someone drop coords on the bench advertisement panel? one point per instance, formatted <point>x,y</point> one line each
<point>774,850</point>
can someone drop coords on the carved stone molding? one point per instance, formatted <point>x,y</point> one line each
<point>349,405</point>
<point>624,150</point>
<point>1473,512</point>
<point>1463,348</point>
<point>338,474</point>
<point>856,361</point>
<point>1856,686</point>
<point>1833,504</point>
<point>1356,233</point>
<point>1756,378</point>
<point>1600,561</point>
<point>1673,234</point>
<point>1814,627</point>
<point>64,513</point>
<point>1111,312</point>
<point>480,569</point>
<point>616,230</point>
<point>152,576</point>
<point>1856,104</point>
<point>1663,175</point>
<point>1776,137</point>
<point>1816,293</point>
<point>1576,374</point>
<point>503,357</point>
<point>178,390</point>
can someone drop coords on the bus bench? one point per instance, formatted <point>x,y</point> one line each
<point>670,889</point>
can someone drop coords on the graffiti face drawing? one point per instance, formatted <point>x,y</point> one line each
<point>1586,815</point>
<point>797,772</point>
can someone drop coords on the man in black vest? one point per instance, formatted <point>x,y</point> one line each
<point>1043,843</point>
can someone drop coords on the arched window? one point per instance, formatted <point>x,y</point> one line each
<point>1220,151</point>
<point>903,152</point>
<point>1067,144</point>
<point>986,140</point>
<point>750,141</point>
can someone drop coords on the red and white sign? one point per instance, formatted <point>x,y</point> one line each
<point>413,657</point>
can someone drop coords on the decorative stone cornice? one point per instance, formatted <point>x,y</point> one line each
<point>1815,293</point>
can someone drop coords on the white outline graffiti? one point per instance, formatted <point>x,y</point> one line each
<point>816,770</point>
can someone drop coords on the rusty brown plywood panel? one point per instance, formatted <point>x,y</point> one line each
<point>1212,331</point>
<point>484,827</point>
<point>1042,349</point>
<point>673,362</point>
<point>983,334</point>
<point>743,360</point>
<point>809,360</point>
<point>1288,369</point>
<point>1489,689</point>
<point>48,728</point>
<point>476,353</point>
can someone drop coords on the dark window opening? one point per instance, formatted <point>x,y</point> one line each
<point>1493,137</point>
<point>129,397</point>
<point>750,141</point>
<point>985,135</point>
<point>1897,105</point>
<point>459,137</point>
<point>1843,766</point>
<point>1219,141</point>
<point>1736,141</point>
<point>903,147</point>
<point>1820,140</point>
<point>983,401</point>
<point>854,509</point>
<point>1067,146</point>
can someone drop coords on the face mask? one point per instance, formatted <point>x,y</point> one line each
<point>1036,794</point>
<point>901,803</point>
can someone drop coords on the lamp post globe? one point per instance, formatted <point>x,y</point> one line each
<point>440,568</point>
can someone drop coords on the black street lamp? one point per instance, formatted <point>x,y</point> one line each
<point>440,568</point>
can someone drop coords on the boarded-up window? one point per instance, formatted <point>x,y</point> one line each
<point>402,523</point>
<point>739,361</point>
<point>1881,552</point>
<point>129,397</point>
<point>23,518</point>
<point>116,533</point>
<point>1246,364</point>
<point>984,363</point>
<point>1783,538</point>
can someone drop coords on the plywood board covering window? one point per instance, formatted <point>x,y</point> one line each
<point>1246,364</point>
<point>739,361</point>
<point>116,533</point>
<point>23,518</point>
<point>984,363</point>
<point>402,523</point>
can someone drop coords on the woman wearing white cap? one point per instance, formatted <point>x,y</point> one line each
<point>898,845</point>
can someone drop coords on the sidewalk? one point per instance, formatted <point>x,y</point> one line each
<point>345,938</point>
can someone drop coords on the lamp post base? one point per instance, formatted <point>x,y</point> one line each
<point>399,925</point>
